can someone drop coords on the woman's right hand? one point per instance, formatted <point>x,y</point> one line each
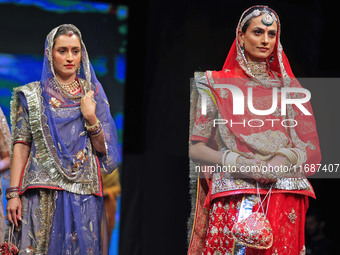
<point>14,210</point>
<point>19,159</point>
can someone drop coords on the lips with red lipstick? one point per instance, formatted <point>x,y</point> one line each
<point>69,66</point>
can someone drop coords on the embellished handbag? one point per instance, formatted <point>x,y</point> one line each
<point>8,248</point>
<point>254,231</point>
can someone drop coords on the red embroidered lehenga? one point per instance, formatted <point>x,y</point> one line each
<point>222,199</point>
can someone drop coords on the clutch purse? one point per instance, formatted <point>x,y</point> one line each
<point>255,231</point>
<point>8,248</point>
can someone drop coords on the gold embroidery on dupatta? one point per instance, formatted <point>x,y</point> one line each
<point>80,182</point>
<point>47,208</point>
<point>267,142</point>
<point>44,213</point>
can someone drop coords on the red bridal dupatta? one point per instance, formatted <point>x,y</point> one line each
<point>248,134</point>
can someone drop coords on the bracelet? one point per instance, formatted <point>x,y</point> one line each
<point>97,134</point>
<point>231,159</point>
<point>93,127</point>
<point>300,156</point>
<point>9,189</point>
<point>97,131</point>
<point>225,153</point>
<point>12,189</point>
<point>12,192</point>
<point>12,195</point>
<point>289,154</point>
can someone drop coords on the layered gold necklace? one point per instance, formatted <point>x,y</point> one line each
<point>71,87</point>
<point>69,90</point>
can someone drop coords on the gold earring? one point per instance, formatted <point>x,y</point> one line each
<point>78,70</point>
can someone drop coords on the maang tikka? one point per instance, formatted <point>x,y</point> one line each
<point>267,19</point>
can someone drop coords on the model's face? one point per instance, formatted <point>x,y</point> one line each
<point>258,40</point>
<point>66,57</point>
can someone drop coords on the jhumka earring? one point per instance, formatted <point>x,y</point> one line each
<point>271,59</point>
<point>78,70</point>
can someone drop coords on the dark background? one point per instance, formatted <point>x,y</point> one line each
<point>167,42</point>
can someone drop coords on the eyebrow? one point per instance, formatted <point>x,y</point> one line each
<point>260,28</point>
<point>65,47</point>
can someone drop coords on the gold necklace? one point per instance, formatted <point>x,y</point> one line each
<point>262,74</point>
<point>71,87</point>
<point>69,90</point>
<point>258,69</point>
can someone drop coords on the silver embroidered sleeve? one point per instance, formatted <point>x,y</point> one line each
<point>21,131</point>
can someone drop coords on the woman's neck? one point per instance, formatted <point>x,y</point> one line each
<point>67,79</point>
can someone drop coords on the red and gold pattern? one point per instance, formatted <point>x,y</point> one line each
<point>223,214</point>
<point>254,231</point>
<point>285,214</point>
<point>55,102</point>
<point>8,249</point>
<point>289,201</point>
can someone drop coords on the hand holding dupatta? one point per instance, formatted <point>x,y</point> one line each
<point>88,109</point>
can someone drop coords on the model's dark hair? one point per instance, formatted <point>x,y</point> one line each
<point>64,30</point>
<point>262,11</point>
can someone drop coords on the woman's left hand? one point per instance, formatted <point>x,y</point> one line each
<point>277,161</point>
<point>88,108</point>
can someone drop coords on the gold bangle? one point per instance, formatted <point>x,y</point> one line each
<point>93,127</point>
<point>12,195</point>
